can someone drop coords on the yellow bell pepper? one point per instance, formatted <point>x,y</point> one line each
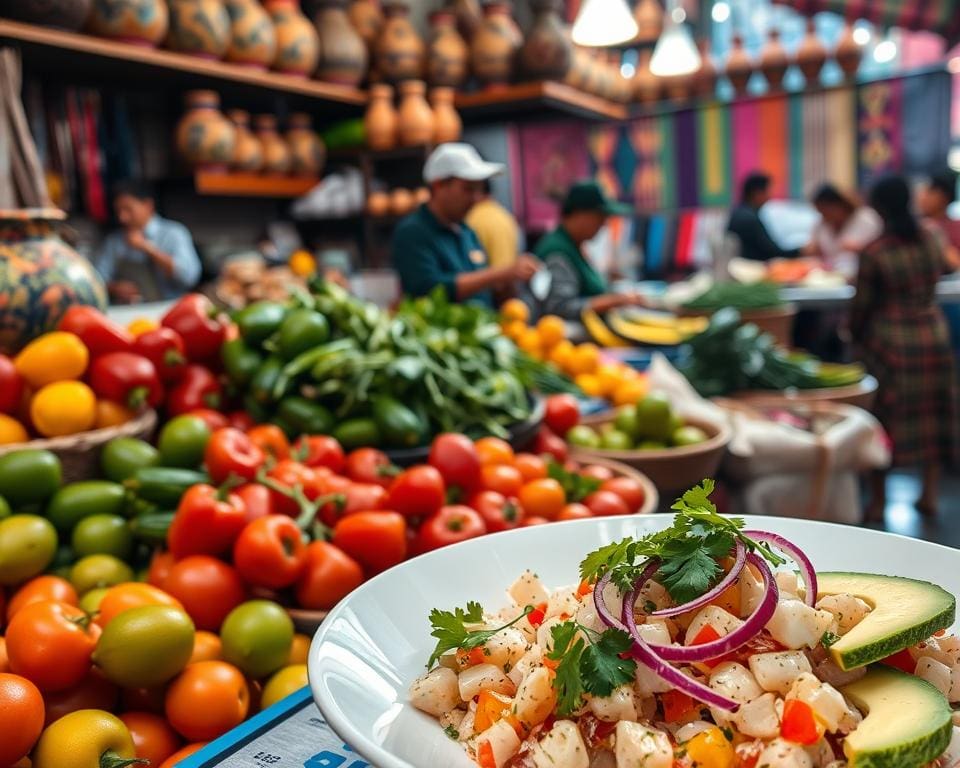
<point>63,408</point>
<point>711,749</point>
<point>56,356</point>
<point>88,738</point>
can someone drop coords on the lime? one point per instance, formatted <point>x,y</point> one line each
<point>626,419</point>
<point>283,683</point>
<point>654,417</point>
<point>689,435</point>
<point>651,445</point>
<point>99,571</point>
<point>90,602</point>
<point>257,637</point>
<point>615,440</point>
<point>583,437</point>
<point>145,647</point>
<point>28,544</point>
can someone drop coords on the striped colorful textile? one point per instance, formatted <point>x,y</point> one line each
<point>942,16</point>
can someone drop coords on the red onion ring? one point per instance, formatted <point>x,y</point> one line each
<point>602,610</point>
<point>807,572</point>
<point>740,553</point>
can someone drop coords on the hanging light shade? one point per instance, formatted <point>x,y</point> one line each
<point>675,53</point>
<point>604,22</point>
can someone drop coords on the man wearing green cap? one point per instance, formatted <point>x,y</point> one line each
<point>575,283</point>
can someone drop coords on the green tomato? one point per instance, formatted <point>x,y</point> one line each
<point>123,456</point>
<point>583,436</point>
<point>28,544</point>
<point>95,571</point>
<point>626,419</point>
<point>103,535</point>
<point>182,442</point>
<point>615,440</point>
<point>145,647</point>
<point>257,636</point>
<point>90,602</point>
<point>654,418</point>
<point>29,477</point>
<point>76,501</point>
<point>689,435</point>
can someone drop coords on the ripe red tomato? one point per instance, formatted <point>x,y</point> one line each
<point>627,489</point>
<point>320,451</point>
<point>547,443</point>
<point>494,450</point>
<point>498,512</point>
<point>562,413</point>
<point>457,460</point>
<point>290,475</point>
<point>41,588</point>
<point>574,511</point>
<point>93,692</point>
<point>368,465</point>
<point>329,575</point>
<point>376,540</point>
<point>417,492</point>
<point>231,452</point>
<point>451,525</point>
<point>606,504</point>
<point>597,472</point>
<point>241,420</point>
<point>270,552</point>
<point>208,589</point>
<point>502,478</point>
<point>363,497</point>
<point>271,440</point>
<point>213,419</point>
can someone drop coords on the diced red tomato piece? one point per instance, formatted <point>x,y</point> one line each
<point>485,755</point>
<point>902,660</point>
<point>799,724</point>
<point>535,617</point>
<point>677,705</point>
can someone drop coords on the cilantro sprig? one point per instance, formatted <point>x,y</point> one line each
<point>452,632</point>
<point>594,667</point>
<point>688,551</point>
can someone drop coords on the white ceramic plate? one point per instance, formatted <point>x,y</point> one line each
<point>374,643</point>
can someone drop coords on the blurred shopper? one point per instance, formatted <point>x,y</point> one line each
<point>935,197</point>
<point>496,228</point>
<point>845,229</point>
<point>905,344</point>
<point>755,242</point>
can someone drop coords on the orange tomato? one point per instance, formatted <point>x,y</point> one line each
<point>22,721</point>
<point>543,498</point>
<point>111,414</point>
<point>131,594</point>
<point>271,440</point>
<point>531,466</point>
<point>4,659</point>
<point>630,391</point>
<point>574,512</point>
<point>514,329</point>
<point>590,384</point>
<point>39,589</point>
<point>584,359</point>
<point>208,588</point>
<point>530,343</point>
<point>93,692</point>
<point>330,574</point>
<point>12,431</point>
<point>206,700</point>
<point>206,646</point>
<point>153,738</point>
<point>561,354</point>
<point>299,650</point>
<point>552,330</point>
<point>515,309</point>
<point>141,325</point>
<point>502,478</point>
<point>493,450</point>
<point>182,754</point>
<point>160,565</point>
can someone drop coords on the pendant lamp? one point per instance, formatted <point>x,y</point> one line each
<point>604,22</point>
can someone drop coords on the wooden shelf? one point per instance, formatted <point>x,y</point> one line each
<point>252,184</point>
<point>536,99</point>
<point>69,55</point>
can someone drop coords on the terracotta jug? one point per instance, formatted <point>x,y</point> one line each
<point>298,48</point>
<point>739,66</point>
<point>401,202</point>
<point>378,204</point>
<point>205,138</point>
<point>848,53</point>
<point>649,17</point>
<point>307,151</point>
<point>811,55</point>
<point>495,46</point>
<point>447,125</point>
<point>705,80</point>
<point>276,153</point>
<point>447,53</point>
<point>646,85</point>
<point>199,27</point>
<point>381,121</point>
<point>773,61</point>
<point>366,16</point>
<point>253,41</point>
<point>547,51</point>
<point>415,116</point>
<point>64,14</point>
<point>247,150</point>
<point>469,17</point>
<point>343,54</point>
<point>400,53</point>
<point>141,22</point>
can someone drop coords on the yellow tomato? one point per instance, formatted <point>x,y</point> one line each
<point>585,359</point>
<point>79,739</point>
<point>610,376</point>
<point>283,683</point>
<point>514,329</point>
<point>590,384</point>
<point>551,330</point>
<point>630,391</point>
<point>141,325</point>
<point>299,649</point>
<point>111,414</point>
<point>63,408</point>
<point>55,356</point>
<point>529,342</point>
<point>302,263</point>
<point>514,309</point>
<point>11,431</point>
<point>711,749</point>
<point>560,354</point>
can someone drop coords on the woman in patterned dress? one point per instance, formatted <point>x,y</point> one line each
<point>905,343</point>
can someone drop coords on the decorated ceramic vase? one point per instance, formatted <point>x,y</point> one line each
<point>253,42</point>
<point>400,53</point>
<point>366,16</point>
<point>40,276</point>
<point>577,74</point>
<point>307,152</point>
<point>848,53</point>
<point>705,80</point>
<point>495,46</point>
<point>141,22</point>
<point>469,17</point>
<point>205,138</point>
<point>647,87</point>
<point>378,204</point>
<point>199,27</point>
<point>547,51</point>
<point>298,48</point>
<point>415,118</point>
<point>649,17</point>
<point>739,66</point>
<point>247,150</point>
<point>811,55</point>
<point>447,125</point>
<point>277,159</point>
<point>63,14</point>
<point>343,54</point>
<point>401,201</point>
<point>774,61</point>
<point>447,52</point>
<point>380,121</point>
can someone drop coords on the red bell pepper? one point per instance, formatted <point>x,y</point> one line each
<point>207,522</point>
<point>11,386</point>
<point>197,321</point>
<point>126,378</point>
<point>99,334</point>
<point>164,348</point>
<point>230,452</point>
<point>197,388</point>
<point>799,724</point>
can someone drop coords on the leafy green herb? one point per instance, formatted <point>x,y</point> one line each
<point>452,732</point>
<point>450,629</point>
<point>594,667</point>
<point>575,487</point>
<point>828,639</point>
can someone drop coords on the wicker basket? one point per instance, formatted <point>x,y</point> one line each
<point>80,454</point>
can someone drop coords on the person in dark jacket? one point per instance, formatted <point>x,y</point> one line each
<point>755,242</point>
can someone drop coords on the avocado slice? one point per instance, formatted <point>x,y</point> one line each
<point>904,612</point>
<point>907,721</point>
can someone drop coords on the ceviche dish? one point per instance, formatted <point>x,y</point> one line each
<point>702,645</point>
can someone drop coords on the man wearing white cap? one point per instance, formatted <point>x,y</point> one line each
<point>433,246</point>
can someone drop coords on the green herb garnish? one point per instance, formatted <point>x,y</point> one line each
<point>452,732</point>
<point>828,639</point>
<point>451,631</point>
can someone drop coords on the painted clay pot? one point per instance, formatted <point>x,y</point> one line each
<point>199,27</point>
<point>739,66</point>
<point>447,52</point>
<point>276,153</point>
<point>307,152</point>
<point>401,201</point>
<point>247,150</point>
<point>705,80</point>
<point>400,53</point>
<point>447,125</point>
<point>253,41</point>
<point>649,17</point>
<point>848,53</point>
<point>63,14</point>
<point>646,85</point>
<point>811,55</point>
<point>141,22</point>
<point>343,54</point>
<point>298,48</point>
<point>366,16</point>
<point>415,118</point>
<point>469,18</point>
<point>774,61</point>
<point>547,51</point>
<point>380,121</point>
<point>205,138</point>
<point>40,276</point>
<point>495,46</point>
